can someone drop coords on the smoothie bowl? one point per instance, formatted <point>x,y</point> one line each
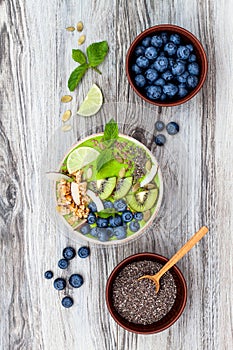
<point>108,187</point>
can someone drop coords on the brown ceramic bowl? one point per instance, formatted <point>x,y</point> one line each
<point>170,318</point>
<point>187,38</point>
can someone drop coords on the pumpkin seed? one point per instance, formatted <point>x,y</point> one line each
<point>89,173</point>
<point>79,26</point>
<point>135,187</point>
<point>66,127</point>
<point>81,39</point>
<point>122,172</point>
<point>148,165</point>
<point>146,215</point>
<point>119,159</point>
<point>150,186</point>
<point>70,29</point>
<point>66,116</point>
<point>66,98</point>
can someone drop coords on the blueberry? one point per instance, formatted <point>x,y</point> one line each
<point>182,91</point>
<point>69,253</point>
<point>85,229</point>
<point>183,52</point>
<point>159,126</point>
<point>190,47</point>
<point>107,204</point>
<point>127,216</point>
<point>94,231</point>
<point>151,53</point>
<point>160,82</point>
<point>139,216</point>
<point>91,218</point>
<point>172,128</point>
<point>63,263</point>
<point>110,231</point>
<point>146,41</point>
<point>193,68</point>
<point>164,37</point>
<point>134,226</point>
<point>192,81</point>
<point>170,89</point>
<point>175,38</point>
<point>182,78</point>
<point>160,140</point>
<point>161,64</point>
<point>153,92</point>
<point>157,41</point>
<point>167,75</point>
<point>59,283</point>
<point>48,275</point>
<point>103,235</point>
<point>171,62</point>
<point>67,302</point>
<point>83,252</point>
<point>136,69</point>
<point>178,68</point>
<point>101,222</point>
<point>163,97</point>
<point>142,62</point>
<point>120,205</point>
<point>76,280</point>
<point>115,221</point>
<point>139,51</point>
<point>92,207</point>
<point>192,58</point>
<point>120,232</point>
<point>151,75</point>
<point>170,48</point>
<point>140,81</point>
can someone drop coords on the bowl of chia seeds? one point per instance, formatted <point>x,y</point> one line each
<point>134,304</point>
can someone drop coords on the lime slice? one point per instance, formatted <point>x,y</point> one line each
<point>92,102</point>
<point>80,157</point>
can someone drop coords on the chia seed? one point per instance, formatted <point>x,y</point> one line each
<point>137,301</point>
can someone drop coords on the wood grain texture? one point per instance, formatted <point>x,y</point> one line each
<point>35,63</point>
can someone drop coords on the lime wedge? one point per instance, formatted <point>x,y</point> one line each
<point>80,157</point>
<point>92,102</point>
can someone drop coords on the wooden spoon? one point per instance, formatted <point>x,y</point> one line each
<point>183,250</point>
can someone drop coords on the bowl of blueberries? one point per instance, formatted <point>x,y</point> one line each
<point>166,65</point>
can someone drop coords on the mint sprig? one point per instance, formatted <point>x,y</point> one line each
<point>96,54</point>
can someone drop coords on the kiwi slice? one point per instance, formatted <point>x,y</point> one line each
<point>104,187</point>
<point>142,201</point>
<point>122,187</point>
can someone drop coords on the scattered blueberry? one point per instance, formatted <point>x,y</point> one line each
<point>192,58</point>
<point>175,38</point>
<point>151,53</point>
<point>120,205</point>
<point>134,226</point>
<point>160,82</point>
<point>170,89</point>
<point>178,68</point>
<point>48,275</point>
<point>192,81</point>
<point>63,263</point>
<point>146,41</point>
<point>142,62</point>
<point>127,216</point>
<point>59,283</point>
<point>151,75</point>
<point>120,232</point>
<point>107,204</point>
<point>85,229</point>
<point>193,68</point>
<point>69,253</point>
<point>67,302</point>
<point>91,219</point>
<point>103,234</point>
<point>138,216</point>
<point>167,75</point>
<point>101,222</point>
<point>115,221</point>
<point>157,41</point>
<point>170,48</point>
<point>183,52</point>
<point>139,51</point>
<point>92,207</point>
<point>153,92</point>
<point>83,252</point>
<point>172,128</point>
<point>160,140</point>
<point>161,64</point>
<point>159,126</point>
<point>76,280</point>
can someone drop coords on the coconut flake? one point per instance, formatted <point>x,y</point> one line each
<point>75,192</point>
<point>57,176</point>
<point>96,200</point>
<point>149,177</point>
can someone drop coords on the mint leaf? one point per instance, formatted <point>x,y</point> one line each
<point>110,169</point>
<point>79,56</point>
<point>105,213</point>
<point>111,130</point>
<point>104,157</point>
<point>96,53</point>
<point>76,76</point>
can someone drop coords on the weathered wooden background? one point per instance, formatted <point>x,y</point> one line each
<point>35,62</point>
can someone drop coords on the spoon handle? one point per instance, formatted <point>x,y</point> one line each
<point>183,250</point>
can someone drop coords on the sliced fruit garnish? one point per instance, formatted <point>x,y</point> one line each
<point>149,177</point>
<point>123,186</point>
<point>96,200</point>
<point>142,201</point>
<point>58,176</point>
<point>103,187</point>
<point>92,102</point>
<point>81,157</point>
